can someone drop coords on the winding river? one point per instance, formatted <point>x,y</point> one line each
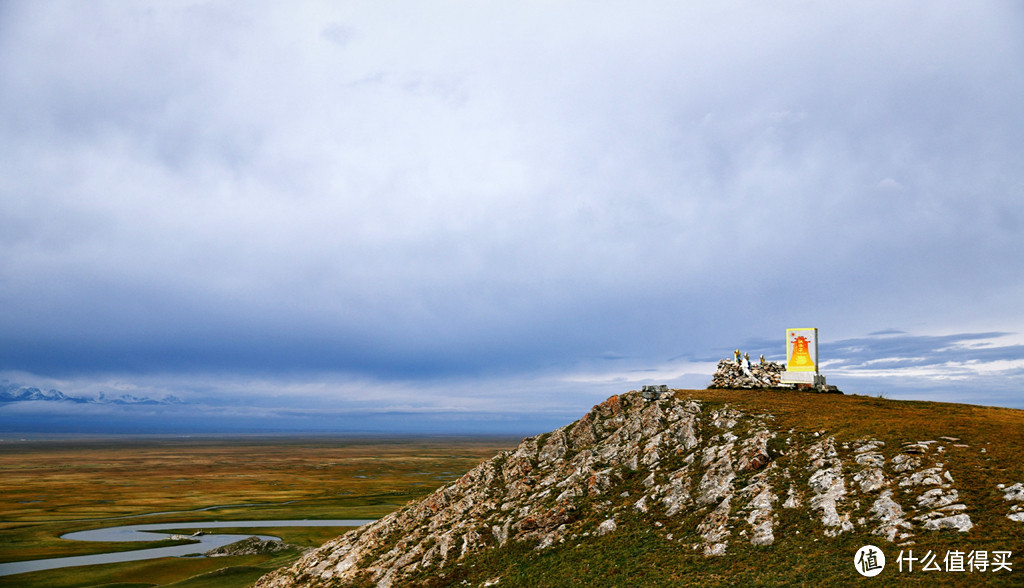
<point>151,532</point>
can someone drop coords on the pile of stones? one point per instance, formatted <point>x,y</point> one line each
<point>743,374</point>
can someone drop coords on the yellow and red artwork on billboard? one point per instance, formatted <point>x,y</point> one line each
<point>802,350</point>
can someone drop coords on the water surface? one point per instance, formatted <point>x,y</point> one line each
<point>152,532</point>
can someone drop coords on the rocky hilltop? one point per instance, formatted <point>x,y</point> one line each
<point>703,475</point>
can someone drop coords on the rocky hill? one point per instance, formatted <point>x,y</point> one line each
<point>689,477</point>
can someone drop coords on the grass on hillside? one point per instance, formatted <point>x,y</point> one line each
<point>641,554</point>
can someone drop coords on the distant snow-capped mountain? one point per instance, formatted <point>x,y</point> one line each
<point>16,393</point>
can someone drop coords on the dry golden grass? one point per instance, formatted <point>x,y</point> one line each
<point>51,487</point>
<point>994,437</point>
<point>999,431</point>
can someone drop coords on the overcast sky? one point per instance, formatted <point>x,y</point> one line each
<point>507,209</point>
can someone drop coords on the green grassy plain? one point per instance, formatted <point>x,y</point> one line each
<point>53,487</point>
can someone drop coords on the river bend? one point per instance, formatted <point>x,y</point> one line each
<point>152,532</point>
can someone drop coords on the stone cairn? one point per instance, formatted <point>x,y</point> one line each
<point>740,373</point>
<point>743,374</point>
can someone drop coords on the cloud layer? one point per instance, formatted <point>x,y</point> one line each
<point>437,193</point>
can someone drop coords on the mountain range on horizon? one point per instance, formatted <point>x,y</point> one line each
<point>17,393</point>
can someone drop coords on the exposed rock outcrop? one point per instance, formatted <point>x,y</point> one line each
<point>1015,494</point>
<point>251,546</point>
<point>716,474</point>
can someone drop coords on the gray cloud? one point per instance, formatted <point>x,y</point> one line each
<point>419,193</point>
